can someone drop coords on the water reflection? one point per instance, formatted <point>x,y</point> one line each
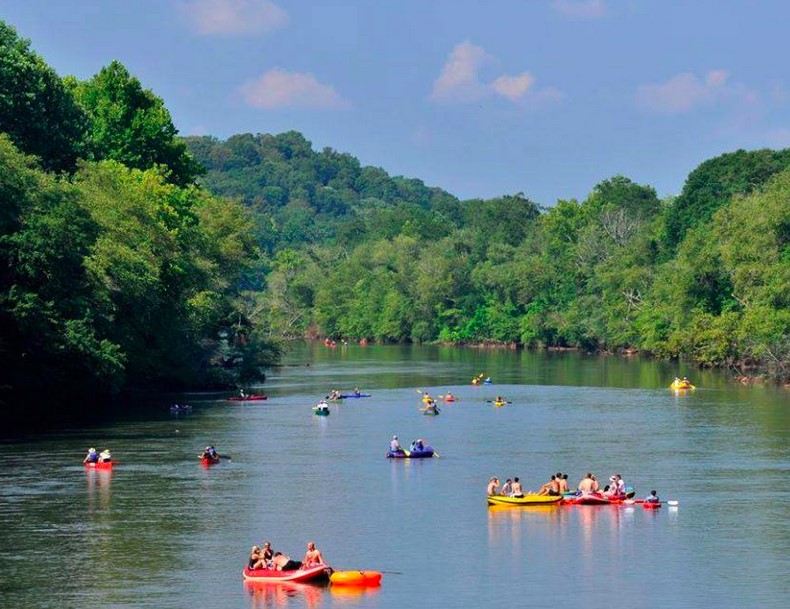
<point>352,595</point>
<point>99,492</point>
<point>265,595</point>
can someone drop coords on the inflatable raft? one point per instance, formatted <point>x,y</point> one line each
<point>425,453</point>
<point>528,499</point>
<point>355,578</point>
<point>317,573</point>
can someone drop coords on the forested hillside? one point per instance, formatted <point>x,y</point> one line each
<point>132,258</point>
<point>116,270</point>
<point>354,253</point>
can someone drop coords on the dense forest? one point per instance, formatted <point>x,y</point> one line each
<point>133,258</point>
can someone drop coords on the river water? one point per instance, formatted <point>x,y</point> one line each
<point>161,531</point>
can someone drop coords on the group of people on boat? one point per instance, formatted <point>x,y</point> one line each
<point>416,445</point>
<point>265,558</point>
<point>558,486</point>
<point>209,453</point>
<point>94,456</point>
<point>336,395</point>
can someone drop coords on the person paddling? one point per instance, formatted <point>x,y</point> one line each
<point>92,456</point>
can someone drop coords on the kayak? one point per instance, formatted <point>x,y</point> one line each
<point>321,411</point>
<point>528,499</point>
<point>426,452</point>
<point>299,575</point>
<point>499,404</point>
<point>354,395</point>
<point>355,578</point>
<point>247,398</point>
<point>100,465</point>
<point>681,386</point>
<point>209,461</point>
<point>450,399</point>
<point>431,411</point>
<point>651,505</point>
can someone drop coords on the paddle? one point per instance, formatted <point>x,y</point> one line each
<point>435,454</point>
<point>671,502</point>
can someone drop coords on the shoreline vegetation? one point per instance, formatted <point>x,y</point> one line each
<point>131,257</point>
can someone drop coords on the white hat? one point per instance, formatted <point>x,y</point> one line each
<point>394,437</point>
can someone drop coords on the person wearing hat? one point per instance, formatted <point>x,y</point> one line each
<point>92,456</point>
<point>105,456</point>
<point>395,445</point>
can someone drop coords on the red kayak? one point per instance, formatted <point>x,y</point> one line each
<point>651,505</point>
<point>100,465</point>
<point>273,576</point>
<point>247,398</point>
<point>209,461</point>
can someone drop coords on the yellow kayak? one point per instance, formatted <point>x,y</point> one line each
<point>529,499</point>
<point>681,386</point>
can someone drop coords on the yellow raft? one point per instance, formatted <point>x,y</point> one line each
<point>355,578</point>
<point>529,499</point>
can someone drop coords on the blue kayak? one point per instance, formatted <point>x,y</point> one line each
<point>344,396</point>
<point>425,453</point>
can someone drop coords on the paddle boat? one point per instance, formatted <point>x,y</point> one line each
<point>528,499</point>
<point>317,573</point>
<point>423,453</point>
<point>253,397</point>
<point>355,578</point>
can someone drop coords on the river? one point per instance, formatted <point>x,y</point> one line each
<point>161,531</point>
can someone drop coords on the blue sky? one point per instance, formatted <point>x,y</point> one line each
<point>544,97</point>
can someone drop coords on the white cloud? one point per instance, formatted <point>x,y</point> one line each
<point>513,87</point>
<point>580,9</point>
<point>459,80</point>
<point>682,93</point>
<point>229,17</point>
<point>459,77</point>
<point>278,89</point>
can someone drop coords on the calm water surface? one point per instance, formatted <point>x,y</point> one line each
<point>160,531</point>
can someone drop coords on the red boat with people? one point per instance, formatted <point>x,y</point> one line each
<point>253,397</point>
<point>312,574</point>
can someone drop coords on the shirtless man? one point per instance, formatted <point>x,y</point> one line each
<point>493,484</point>
<point>563,480</point>
<point>517,491</point>
<point>552,487</point>
<point>588,484</point>
<point>312,557</point>
<point>284,563</point>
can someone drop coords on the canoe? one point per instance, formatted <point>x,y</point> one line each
<point>343,396</point>
<point>528,499</point>
<point>651,505</point>
<point>209,461</point>
<point>100,465</point>
<point>300,575</point>
<point>355,578</point>
<point>425,453</point>
<point>321,411</point>
<point>247,398</point>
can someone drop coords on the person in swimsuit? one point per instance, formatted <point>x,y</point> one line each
<point>255,561</point>
<point>588,484</point>
<point>493,484</point>
<point>517,491</point>
<point>312,557</point>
